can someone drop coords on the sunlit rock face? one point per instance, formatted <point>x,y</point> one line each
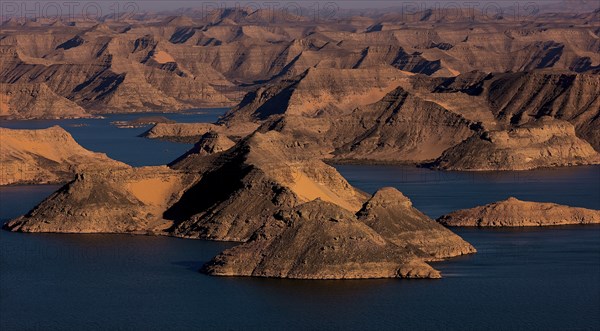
<point>516,213</point>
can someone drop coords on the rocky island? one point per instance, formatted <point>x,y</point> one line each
<point>516,213</point>
<point>141,122</point>
<point>319,240</point>
<point>387,238</point>
<point>112,201</point>
<point>264,191</point>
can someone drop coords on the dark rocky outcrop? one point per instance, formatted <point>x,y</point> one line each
<point>319,240</point>
<point>392,215</point>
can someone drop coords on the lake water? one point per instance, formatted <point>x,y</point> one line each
<point>527,279</point>
<point>124,145</point>
<point>437,192</point>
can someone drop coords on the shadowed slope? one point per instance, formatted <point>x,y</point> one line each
<point>319,240</point>
<point>263,173</point>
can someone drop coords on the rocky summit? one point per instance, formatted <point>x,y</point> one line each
<point>319,240</point>
<point>516,213</point>
<point>387,238</point>
<point>392,215</point>
<point>260,175</point>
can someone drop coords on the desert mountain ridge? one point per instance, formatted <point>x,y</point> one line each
<point>386,115</point>
<point>157,62</point>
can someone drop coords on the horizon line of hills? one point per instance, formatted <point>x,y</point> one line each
<point>422,10</point>
<point>174,63</point>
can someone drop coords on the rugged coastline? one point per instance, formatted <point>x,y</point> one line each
<point>303,96</point>
<point>267,176</point>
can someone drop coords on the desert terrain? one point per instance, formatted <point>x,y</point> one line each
<point>454,93</point>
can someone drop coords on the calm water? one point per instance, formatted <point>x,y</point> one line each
<point>437,193</point>
<point>540,279</point>
<point>125,145</point>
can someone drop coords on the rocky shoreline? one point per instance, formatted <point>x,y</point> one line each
<point>243,193</point>
<point>293,215</point>
<point>445,94</point>
<point>46,156</point>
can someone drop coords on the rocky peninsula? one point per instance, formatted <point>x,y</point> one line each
<point>47,156</point>
<point>543,143</point>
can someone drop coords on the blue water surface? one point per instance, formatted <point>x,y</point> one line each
<point>124,144</point>
<point>520,279</point>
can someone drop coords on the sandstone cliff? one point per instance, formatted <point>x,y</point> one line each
<point>46,156</point>
<point>520,97</point>
<point>155,62</point>
<point>36,101</point>
<point>192,132</point>
<point>543,143</point>
<point>353,115</point>
<point>515,213</point>
<point>500,101</point>
<point>401,127</point>
<point>311,92</point>
<point>405,118</point>
<point>180,132</point>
